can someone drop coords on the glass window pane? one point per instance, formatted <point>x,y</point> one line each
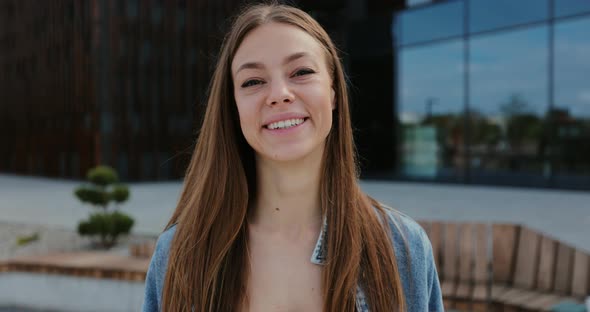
<point>488,15</point>
<point>572,103</point>
<point>431,111</point>
<point>508,80</point>
<point>431,22</point>
<point>571,7</point>
<point>416,2</point>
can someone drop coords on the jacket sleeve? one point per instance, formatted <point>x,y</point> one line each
<point>435,302</point>
<point>152,291</point>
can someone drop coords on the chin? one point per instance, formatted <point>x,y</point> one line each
<point>288,154</point>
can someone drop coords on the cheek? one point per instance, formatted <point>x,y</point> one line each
<point>323,100</point>
<point>247,115</point>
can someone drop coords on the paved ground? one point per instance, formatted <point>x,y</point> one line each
<point>21,309</point>
<point>563,214</point>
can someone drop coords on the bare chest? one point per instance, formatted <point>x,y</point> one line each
<point>283,279</point>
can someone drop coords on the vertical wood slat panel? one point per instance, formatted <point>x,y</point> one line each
<point>546,264</point>
<point>563,269</point>
<point>450,260</point>
<point>581,274</point>
<point>503,250</point>
<point>466,261</point>
<point>527,258</point>
<point>482,259</point>
<point>436,236</point>
<point>450,252</point>
<point>425,226</point>
<point>466,251</point>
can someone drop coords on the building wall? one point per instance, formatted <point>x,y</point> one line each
<point>46,121</point>
<point>123,83</point>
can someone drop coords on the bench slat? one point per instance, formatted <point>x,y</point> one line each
<point>450,256</point>
<point>503,250</point>
<point>480,292</point>
<point>436,237</point>
<point>580,287</point>
<point>527,258</point>
<point>517,297</point>
<point>450,252</point>
<point>464,290</point>
<point>482,259</point>
<point>545,277</point>
<point>563,269</point>
<point>544,302</point>
<point>466,260</point>
<point>466,250</point>
<point>425,226</point>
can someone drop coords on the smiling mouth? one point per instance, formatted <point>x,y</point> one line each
<point>286,124</point>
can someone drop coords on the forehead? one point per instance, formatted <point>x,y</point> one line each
<point>271,43</point>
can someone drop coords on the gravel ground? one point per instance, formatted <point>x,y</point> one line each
<point>52,239</point>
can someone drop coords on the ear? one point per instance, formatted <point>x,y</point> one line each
<point>333,99</point>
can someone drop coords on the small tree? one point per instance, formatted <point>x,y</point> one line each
<point>103,189</point>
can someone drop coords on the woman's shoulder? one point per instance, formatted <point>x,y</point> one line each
<point>157,271</point>
<point>405,229</point>
<point>164,242</point>
<point>415,260</point>
<point>159,261</point>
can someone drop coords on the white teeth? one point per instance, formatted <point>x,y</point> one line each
<point>283,124</point>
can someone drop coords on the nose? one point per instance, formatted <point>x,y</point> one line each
<point>279,93</point>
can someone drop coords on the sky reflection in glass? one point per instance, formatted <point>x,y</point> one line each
<point>488,15</point>
<point>572,66</point>
<point>433,22</point>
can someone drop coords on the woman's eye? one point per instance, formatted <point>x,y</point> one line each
<point>251,82</point>
<point>304,71</point>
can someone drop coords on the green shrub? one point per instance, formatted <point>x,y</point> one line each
<point>92,196</point>
<point>27,239</point>
<point>108,226</point>
<point>102,175</point>
<point>103,189</point>
<point>120,193</point>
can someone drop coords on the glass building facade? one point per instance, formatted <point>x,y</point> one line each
<point>494,92</point>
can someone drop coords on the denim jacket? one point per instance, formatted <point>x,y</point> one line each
<point>413,253</point>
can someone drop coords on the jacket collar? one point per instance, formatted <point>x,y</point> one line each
<point>319,257</point>
<point>320,252</point>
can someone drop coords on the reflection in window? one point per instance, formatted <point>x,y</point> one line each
<point>487,15</point>
<point>508,102</point>
<point>571,7</point>
<point>571,113</point>
<point>430,111</point>
<point>430,23</point>
<point>416,2</point>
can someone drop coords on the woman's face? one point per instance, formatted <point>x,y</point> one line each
<point>283,91</point>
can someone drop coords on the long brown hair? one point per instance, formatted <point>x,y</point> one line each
<point>208,267</point>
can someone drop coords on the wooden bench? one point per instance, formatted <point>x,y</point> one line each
<point>99,265</point>
<point>142,250</point>
<point>505,267</point>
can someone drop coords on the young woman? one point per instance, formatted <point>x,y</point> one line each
<point>271,216</point>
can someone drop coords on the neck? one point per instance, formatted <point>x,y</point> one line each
<point>288,197</point>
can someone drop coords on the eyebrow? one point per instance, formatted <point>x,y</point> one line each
<point>288,59</point>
